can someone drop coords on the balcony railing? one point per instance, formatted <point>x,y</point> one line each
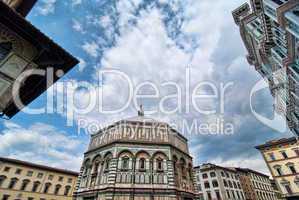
<point>278,55</point>
<point>292,17</point>
<point>294,72</point>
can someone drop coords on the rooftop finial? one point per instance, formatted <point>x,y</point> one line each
<point>140,111</point>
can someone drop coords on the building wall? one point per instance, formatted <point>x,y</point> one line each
<point>137,158</point>
<point>262,187</point>
<point>271,35</point>
<point>276,161</point>
<point>119,166</point>
<point>23,173</point>
<point>247,186</point>
<point>228,183</point>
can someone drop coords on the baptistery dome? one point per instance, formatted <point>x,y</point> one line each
<point>137,158</point>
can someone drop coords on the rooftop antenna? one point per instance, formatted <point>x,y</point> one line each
<point>140,111</point>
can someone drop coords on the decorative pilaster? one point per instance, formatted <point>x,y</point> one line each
<point>170,173</point>
<point>77,185</point>
<point>112,171</point>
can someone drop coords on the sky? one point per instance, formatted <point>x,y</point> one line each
<point>152,41</point>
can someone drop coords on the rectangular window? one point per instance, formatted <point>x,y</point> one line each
<point>215,183</point>
<point>209,196</point>
<point>228,194</point>
<point>271,155</point>
<point>218,195</point>
<point>207,184</point>
<point>279,172</point>
<point>50,177</point>
<point>212,174</point>
<point>292,169</point>
<point>227,175</point>
<point>288,189</point>
<point>29,173</point>
<point>6,169</point>
<point>70,180</point>
<point>18,171</point>
<point>5,197</point>
<point>205,176</point>
<point>233,192</point>
<point>284,154</point>
<point>60,178</point>
<point>40,175</point>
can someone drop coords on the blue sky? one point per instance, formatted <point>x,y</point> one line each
<point>149,40</point>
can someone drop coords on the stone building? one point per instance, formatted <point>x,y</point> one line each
<point>270,32</point>
<point>137,158</point>
<point>217,182</point>
<point>25,48</point>
<point>21,180</point>
<point>282,158</point>
<point>276,190</point>
<point>256,185</point>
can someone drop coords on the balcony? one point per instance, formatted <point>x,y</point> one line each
<point>255,30</point>
<point>294,100</point>
<point>294,73</point>
<point>270,7</point>
<point>295,119</point>
<point>278,55</point>
<point>292,17</point>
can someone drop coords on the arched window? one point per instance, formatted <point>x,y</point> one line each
<point>67,190</point>
<point>87,167</point>
<point>5,49</point>
<point>278,170</point>
<point>25,184</point>
<point>2,179</point>
<point>12,183</point>
<point>57,188</point>
<point>107,164</point>
<point>47,187</point>
<point>142,164</point>
<point>159,164</point>
<point>96,167</point>
<point>125,163</point>
<point>35,186</point>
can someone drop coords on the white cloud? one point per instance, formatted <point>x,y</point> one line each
<point>47,7</point>
<point>41,143</point>
<point>91,48</point>
<point>77,26</point>
<point>145,52</point>
<point>76,2</point>
<point>82,64</point>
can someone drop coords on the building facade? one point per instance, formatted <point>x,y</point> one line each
<point>28,181</point>
<point>282,158</point>
<point>270,32</point>
<point>256,185</point>
<point>25,48</point>
<point>278,193</point>
<point>216,182</point>
<point>137,158</point>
